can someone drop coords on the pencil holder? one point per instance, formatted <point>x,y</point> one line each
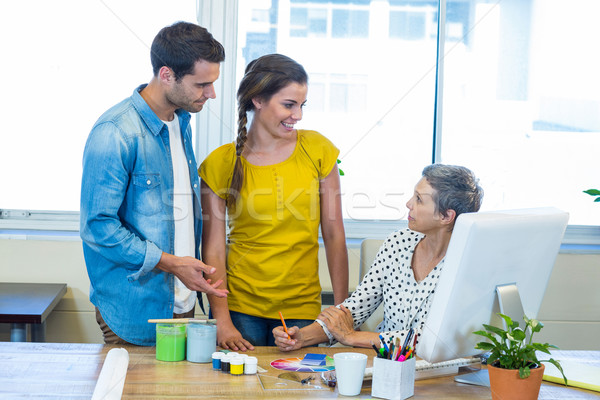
<point>393,379</point>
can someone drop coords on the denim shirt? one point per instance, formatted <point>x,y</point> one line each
<point>127,216</point>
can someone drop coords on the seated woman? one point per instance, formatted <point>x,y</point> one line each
<point>406,270</point>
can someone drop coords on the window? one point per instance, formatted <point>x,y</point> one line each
<point>522,101</point>
<point>373,97</point>
<point>349,23</point>
<point>337,93</point>
<point>308,22</point>
<point>515,93</point>
<point>320,19</point>
<point>65,63</point>
<point>413,21</point>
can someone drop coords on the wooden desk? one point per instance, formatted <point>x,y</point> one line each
<point>28,303</point>
<point>54,370</point>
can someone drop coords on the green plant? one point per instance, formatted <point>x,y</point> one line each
<point>593,192</point>
<point>341,172</point>
<point>510,349</point>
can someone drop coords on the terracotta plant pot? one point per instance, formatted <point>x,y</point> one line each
<point>507,385</point>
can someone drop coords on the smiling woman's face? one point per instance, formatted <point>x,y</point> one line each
<point>279,115</point>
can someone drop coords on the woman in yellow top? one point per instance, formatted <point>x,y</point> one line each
<point>276,184</point>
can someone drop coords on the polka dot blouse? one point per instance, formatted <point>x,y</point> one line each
<point>390,279</point>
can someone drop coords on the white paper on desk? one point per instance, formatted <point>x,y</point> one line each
<point>112,376</point>
<point>580,367</point>
<point>588,357</point>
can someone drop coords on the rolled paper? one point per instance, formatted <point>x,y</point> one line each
<point>112,376</point>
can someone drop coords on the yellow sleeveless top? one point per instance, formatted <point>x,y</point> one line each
<point>272,245</point>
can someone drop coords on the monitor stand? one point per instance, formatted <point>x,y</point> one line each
<point>510,304</point>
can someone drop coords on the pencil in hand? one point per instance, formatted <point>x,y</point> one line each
<point>284,326</point>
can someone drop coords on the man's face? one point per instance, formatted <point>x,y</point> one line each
<point>193,90</point>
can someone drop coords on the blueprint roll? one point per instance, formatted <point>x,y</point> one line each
<point>112,376</point>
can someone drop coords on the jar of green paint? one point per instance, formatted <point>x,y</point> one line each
<point>170,342</point>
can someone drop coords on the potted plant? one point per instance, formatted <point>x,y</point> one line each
<point>513,366</point>
<point>593,192</point>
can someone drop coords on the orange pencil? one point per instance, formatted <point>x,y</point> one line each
<point>284,327</point>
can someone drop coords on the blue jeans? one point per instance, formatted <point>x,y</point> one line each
<point>258,331</point>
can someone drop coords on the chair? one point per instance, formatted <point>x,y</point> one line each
<point>368,250</point>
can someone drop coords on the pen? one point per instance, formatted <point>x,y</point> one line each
<point>414,346</point>
<point>376,349</point>
<point>385,346</point>
<point>406,341</point>
<point>284,326</point>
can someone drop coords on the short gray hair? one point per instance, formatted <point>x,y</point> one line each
<point>456,188</point>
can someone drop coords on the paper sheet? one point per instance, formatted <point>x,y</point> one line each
<point>588,357</point>
<point>112,376</point>
<point>582,368</point>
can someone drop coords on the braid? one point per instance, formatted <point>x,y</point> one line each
<point>237,179</point>
<point>242,133</point>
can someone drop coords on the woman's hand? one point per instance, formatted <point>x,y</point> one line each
<point>288,344</point>
<point>229,338</point>
<point>339,322</point>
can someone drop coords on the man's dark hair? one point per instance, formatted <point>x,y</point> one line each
<point>181,45</point>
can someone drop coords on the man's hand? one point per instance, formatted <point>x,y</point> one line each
<point>191,271</point>
<point>229,338</point>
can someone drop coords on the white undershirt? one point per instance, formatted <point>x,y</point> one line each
<point>183,214</point>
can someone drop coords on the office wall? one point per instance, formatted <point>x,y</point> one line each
<point>570,310</point>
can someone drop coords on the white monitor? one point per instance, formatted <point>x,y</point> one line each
<point>488,249</point>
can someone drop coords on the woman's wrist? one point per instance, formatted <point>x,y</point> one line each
<point>360,339</point>
<point>325,330</point>
<point>349,339</point>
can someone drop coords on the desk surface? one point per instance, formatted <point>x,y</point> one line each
<point>55,370</point>
<point>29,303</point>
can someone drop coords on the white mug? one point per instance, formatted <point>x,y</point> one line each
<point>349,371</point>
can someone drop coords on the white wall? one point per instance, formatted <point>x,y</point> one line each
<point>570,310</point>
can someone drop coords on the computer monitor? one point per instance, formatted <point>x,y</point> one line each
<point>488,250</point>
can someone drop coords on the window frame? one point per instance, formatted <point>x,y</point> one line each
<point>218,18</point>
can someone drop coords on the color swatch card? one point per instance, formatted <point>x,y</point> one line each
<point>295,364</point>
<point>314,359</point>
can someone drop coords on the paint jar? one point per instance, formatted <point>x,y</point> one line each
<point>225,363</point>
<point>201,342</point>
<point>170,342</point>
<point>250,365</point>
<point>216,359</point>
<point>236,365</point>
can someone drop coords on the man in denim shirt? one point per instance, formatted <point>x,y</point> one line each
<point>140,197</point>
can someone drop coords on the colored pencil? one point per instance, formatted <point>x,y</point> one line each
<point>284,326</point>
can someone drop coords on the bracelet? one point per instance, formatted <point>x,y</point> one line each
<point>329,335</point>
